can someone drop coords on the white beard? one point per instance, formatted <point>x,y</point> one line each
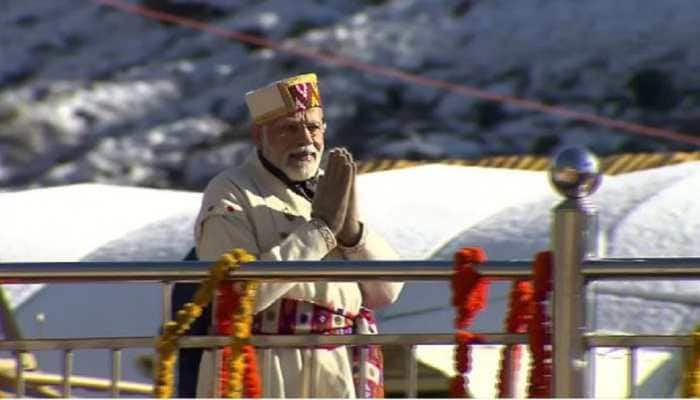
<point>296,171</point>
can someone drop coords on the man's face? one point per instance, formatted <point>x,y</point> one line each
<point>294,143</point>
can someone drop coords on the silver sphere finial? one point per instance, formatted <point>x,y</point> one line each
<point>575,172</point>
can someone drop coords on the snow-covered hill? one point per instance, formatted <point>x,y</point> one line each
<point>90,93</point>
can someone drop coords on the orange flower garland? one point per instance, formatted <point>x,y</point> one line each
<point>166,345</point>
<point>251,378</point>
<point>238,374</point>
<point>540,329</point>
<point>516,322</point>
<point>470,294</point>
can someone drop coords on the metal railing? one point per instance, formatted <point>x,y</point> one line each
<point>574,241</point>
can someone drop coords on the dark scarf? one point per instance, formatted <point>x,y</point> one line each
<point>305,189</point>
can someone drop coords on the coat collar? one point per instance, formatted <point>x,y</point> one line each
<point>276,192</point>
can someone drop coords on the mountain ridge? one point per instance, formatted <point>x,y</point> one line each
<point>161,106</point>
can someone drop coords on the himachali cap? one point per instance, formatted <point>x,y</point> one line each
<point>284,97</point>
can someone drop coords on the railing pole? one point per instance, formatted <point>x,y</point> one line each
<point>67,372</point>
<point>167,300</point>
<point>632,373</point>
<point>575,173</point>
<point>411,372</point>
<point>20,384</point>
<point>116,372</point>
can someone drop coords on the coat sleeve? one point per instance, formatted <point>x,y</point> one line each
<point>373,247</point>
<point>225,226</point>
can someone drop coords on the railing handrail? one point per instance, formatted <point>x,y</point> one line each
<point>261,341</point>
<point>337,270</point>
<point>398,339</point>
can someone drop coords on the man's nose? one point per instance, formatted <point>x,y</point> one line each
<point>305,135</point>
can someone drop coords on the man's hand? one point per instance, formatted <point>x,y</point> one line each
<point>351,231</point>
<point>333,191</point>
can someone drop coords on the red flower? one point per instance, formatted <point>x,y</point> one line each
<point>469,288</point>
<point>228,300</point>
<point>251,379</point>
<point>457,384</point>
<point>468,255</point>
<point>470,294</point>
<point>540,337</point>
<point>517,320</point>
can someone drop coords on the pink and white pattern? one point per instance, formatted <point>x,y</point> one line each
<point>291,317</point>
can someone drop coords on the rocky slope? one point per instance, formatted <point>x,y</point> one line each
<point>91,93</point>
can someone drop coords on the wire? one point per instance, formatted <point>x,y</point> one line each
<point>401,75</point>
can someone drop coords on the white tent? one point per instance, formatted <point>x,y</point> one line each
<point>424,212</point>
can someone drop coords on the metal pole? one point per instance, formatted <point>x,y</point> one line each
<point>411,372</point>
<point>591,353</point>
<point>279,271</point>
<point>116,372</point>
<point>167,299</point>
<point>67,372</point>
<point>567,318</point>
<point>594,249</point>
<point>20,384</point>
<point>342,271</point>
<point>632,373</point>
<point>575,173</point>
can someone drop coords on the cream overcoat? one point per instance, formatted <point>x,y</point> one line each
<point>248,207</point>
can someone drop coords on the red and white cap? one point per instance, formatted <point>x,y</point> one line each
<point>284,97</point>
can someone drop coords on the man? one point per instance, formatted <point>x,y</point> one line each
<point>279,207</point>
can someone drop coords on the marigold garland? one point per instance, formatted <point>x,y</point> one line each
<point>238,374</point>
<point>517,321</point>
<point>470,294</point>
<point>691,379</point>
<point>166,345</point>
<point>540,329</point>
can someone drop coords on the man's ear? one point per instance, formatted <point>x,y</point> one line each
<point>256,132</point>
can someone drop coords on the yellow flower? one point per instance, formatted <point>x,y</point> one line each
<point>193,310</point>
<point>166,345</point>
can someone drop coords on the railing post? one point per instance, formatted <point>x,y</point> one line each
<point>575,173</point>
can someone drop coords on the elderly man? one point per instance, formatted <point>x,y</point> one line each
<point>279,206</point>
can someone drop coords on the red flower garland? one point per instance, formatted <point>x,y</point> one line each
<point>252,386</point>
<point>540,329</point>
<point>516,322</point>
<point>470,294</point>
<point>228,300</point>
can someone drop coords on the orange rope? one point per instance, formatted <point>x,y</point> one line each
<point>401,75</point>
